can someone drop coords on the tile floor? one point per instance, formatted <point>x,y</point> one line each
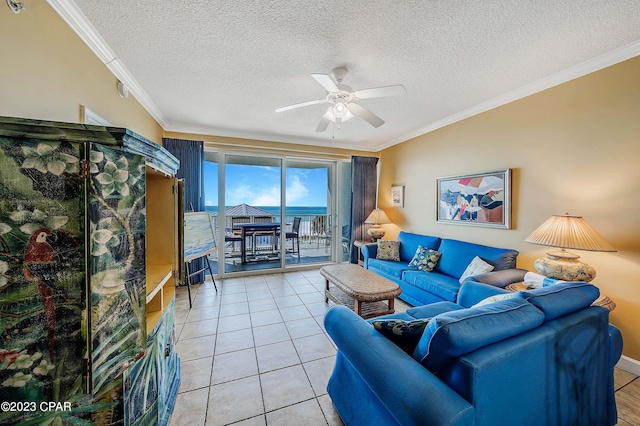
<point>256,353</point>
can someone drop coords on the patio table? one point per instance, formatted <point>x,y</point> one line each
<point>250,229</point>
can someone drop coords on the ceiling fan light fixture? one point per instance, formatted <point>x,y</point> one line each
<point>330,114</point>
<point>340,110</point>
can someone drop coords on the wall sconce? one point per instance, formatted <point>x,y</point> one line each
<point>16,6</point>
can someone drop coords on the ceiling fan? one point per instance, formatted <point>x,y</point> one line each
<point>343,100</point>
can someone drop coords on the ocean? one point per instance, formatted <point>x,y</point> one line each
<point>290,211</point>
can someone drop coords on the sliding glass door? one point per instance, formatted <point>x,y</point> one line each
<point>252,219</point>
<point>279,212</point>
<point>309,211</point>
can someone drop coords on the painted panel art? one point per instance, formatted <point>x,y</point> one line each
<point>42,277</point>
<point>481,199</point>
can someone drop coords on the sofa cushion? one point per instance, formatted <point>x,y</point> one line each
<point>477,266</point>
<point>388,250</point>
<point>453,334</point>
<point>409,244</point>
<point>497,298</point>
<point>390,267</point>
<point>405,334</point>
<point>456,255</point>
<point>562,299</point>
<point>425,259</point>
<point>441,285</point>
<point>432,309</point>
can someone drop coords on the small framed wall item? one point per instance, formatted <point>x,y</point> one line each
<point>479,199</point>
<point>397,196</point>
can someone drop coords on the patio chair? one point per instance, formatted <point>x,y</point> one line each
<point>293,235</point>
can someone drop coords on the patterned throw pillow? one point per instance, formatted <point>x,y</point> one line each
<point>388,250</point>
<point>405,334</point>
<point>477,266</point>
<point>425,259</point>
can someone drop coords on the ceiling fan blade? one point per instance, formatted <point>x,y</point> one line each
<point>365,114</point>
<point>326,82</point>
<point>378,92</point>
<point>301,104</point>
<point>324,123</point>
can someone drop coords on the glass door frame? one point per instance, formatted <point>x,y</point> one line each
<point>335,178</point>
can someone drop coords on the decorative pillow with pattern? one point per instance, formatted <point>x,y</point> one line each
<point>405,334</point>
<point>425,259</point>
<point>477,266</point>
<point>388,250</point>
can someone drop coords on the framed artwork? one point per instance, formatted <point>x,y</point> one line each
<point>479,199</point>
<point>397,196</point>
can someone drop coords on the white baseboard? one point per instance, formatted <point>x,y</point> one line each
<point>629,365</point>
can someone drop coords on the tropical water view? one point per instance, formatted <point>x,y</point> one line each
<point>291,211</point>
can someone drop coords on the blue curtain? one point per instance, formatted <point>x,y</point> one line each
<point>364,187</point>
<point>191,156</point>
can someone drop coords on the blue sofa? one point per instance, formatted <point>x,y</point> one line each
<point>421,288</point>
<point>543,357</point>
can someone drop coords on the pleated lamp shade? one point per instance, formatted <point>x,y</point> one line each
<point>572,232</point>
<point>567,232</point>
<point>378,216</point>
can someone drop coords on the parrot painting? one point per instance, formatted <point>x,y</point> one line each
<point>39,266</point>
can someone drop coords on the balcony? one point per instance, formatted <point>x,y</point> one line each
<point>263,251</point>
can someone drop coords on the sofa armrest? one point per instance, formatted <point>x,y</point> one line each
<point>473,292</point>
<point>369,251</point>
<point>500,278</point>
<point>615,352</point>
<point>395,378</point>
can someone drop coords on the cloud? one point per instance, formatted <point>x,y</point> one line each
<point>296,190</point>
<point>269,196</point>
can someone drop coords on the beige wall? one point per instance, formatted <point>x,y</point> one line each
<point>47,73</point>
<point>573,148</point>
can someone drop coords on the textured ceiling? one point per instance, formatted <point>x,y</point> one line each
<point>222,67</point>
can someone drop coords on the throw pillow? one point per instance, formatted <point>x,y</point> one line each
<point>425,259</point>
<point>388,250</point>
<point>477,266</point>
<point>496,298</point>
<point>405,334</point>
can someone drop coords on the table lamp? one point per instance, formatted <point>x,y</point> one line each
<point>567,232</point>
<point>376,218</point>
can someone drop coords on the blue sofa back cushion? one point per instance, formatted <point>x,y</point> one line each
<point>456,256</point>
<point>409,244</point>
<point>453,334</point>
<point>391,267</point>
<point>561,299</point>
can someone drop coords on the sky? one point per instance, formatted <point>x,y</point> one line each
<point>260,186</point>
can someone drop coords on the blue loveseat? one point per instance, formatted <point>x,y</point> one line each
<point>543,357</point>
<point>421,288</point>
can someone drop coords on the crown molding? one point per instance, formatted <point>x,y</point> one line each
<point>264,137</point>
<point>84,29</point>
<point>613,57</point>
